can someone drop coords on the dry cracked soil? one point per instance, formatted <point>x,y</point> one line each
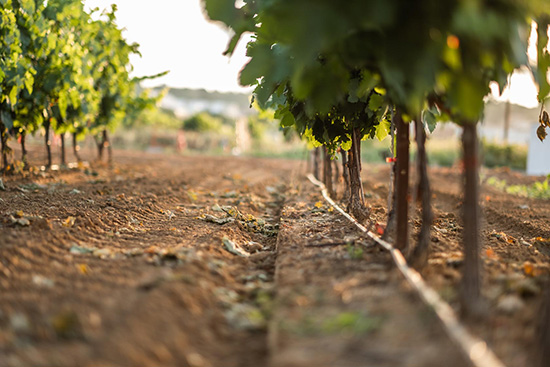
<point>168,260</point>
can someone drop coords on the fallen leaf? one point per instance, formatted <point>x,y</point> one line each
<point>528,268</point>
<point>69,222</point>
<point>83,268</point>
<point>318,205</point>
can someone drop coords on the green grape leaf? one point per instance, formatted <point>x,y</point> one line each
<point>375,101</point>
<point>429,120</point>
<point>383,129</point>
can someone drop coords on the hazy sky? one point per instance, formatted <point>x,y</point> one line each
<point>174,35</point>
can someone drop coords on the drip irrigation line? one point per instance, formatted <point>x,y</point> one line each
<point>474,348</point>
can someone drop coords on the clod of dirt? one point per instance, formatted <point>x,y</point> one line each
<point>253,247</point>
<point>67,325</point>
<point>242,316</point>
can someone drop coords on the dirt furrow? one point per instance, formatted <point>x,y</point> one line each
<point>345,304</point>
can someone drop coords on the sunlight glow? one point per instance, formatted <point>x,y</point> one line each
<point>174,35</point>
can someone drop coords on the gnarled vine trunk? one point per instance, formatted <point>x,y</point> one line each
<point>421,252</point>
<point>316,159</point>
<point>402,184</point>
<point>389,232</point>
<point>76,148</point>
<point>356,204</point>
<point>103,143</point>
<point>345,174</point>
<point>48,143</point>
<point>542,356</point>
<point>327,172</point>
<point>100,146</point>
<point>4,147</point>
<point>107,144</point>
<point>471,279</point>
<point>63,154</point>
<point>24,149</point>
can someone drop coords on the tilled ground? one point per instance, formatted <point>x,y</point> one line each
<point>196,261</point>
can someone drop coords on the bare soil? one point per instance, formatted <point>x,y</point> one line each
<point>129,266</point>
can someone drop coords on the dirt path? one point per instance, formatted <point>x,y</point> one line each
<point>130,266</point>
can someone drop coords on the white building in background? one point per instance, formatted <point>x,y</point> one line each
<point>538,158</point>
<point>186,103</point>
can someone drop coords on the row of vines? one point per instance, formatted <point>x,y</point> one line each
<point>63,69</point>
<point>342,72</point>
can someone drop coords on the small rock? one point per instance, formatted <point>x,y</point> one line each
<point>23,222</point>
<point>75,192</point>
<point>103,253</point>
<point>234,248</point>
<point>2,187</point>
<point>75,249</point>
<point>510,304</point>
<point>42,281</point>
<point>19,322</point>
<point>523,206</point>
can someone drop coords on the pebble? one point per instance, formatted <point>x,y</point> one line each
<point>19,322</point>
<point>510,304</point>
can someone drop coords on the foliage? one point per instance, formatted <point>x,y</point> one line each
<point>202,122</point>
<point>326,67</point>
<point>499,155</point>
<point>537,190</point>
<point>158,117</point>
<point>65,68</point>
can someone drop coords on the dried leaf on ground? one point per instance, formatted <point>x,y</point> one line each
<point>234,248</point>
<point>83,269</point>
<point>69,222</point>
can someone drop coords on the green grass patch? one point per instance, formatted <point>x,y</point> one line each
<point>537,190</point>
